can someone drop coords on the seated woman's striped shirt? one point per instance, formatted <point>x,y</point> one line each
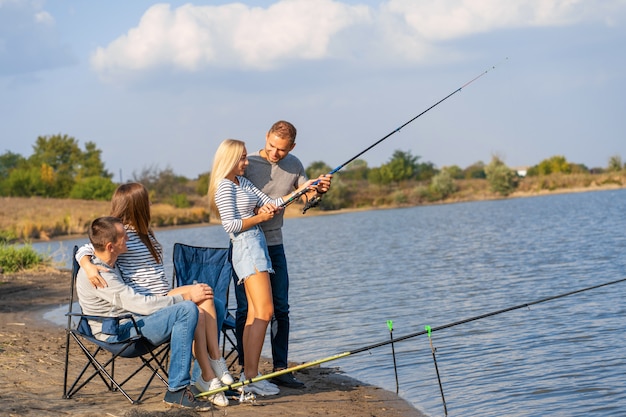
<point>237,202</point>
<point>138,267</point>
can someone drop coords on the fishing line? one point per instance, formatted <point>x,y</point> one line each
<point>314,202</point>
<point>400,339</point>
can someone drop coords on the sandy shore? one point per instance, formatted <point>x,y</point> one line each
<point>32,354</point>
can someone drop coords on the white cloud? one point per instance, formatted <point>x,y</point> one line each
<point>448,19</point>
<point>237,36</point>
<point>419,31</point>
<point>44,17</point>
<point>29,39</point>
<point>230,36</point>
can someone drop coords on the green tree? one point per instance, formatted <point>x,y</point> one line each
<point>356,170</point>
<point>8,162</point>
<point>202,184</point>
<point>163,184</point>
<point>26,182</point>
<point>374,176</point>
<point>443,184</point>
<point>63,155</point>
<point>579,169</point>
<point>552,165</point>
<point>502,179</point>
<point>455,172</point>
<point>317,168</point>
<point>60,163</point>
<point>426,171</point>
<point>179,200</point>
<point>91,164</point>
<point>93,188</point>
<point>615,163</point>
<point>476,170</point>
<point>401,166</point>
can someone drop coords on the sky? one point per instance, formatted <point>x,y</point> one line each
<point>159,85</point>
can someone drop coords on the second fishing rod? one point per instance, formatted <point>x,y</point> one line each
<point>427,331</point>
<point>315,200</point>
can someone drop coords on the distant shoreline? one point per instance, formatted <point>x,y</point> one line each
<point>294,212</point>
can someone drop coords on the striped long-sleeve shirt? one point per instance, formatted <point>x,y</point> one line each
<point>237,202</point>
<point>138,267</point>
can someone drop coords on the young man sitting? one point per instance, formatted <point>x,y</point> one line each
<point>160,318</point>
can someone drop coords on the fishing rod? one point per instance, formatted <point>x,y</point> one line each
<point>274,374</point>
<point>315,200</point>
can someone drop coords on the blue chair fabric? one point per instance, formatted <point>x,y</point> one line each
<point>199,264</point>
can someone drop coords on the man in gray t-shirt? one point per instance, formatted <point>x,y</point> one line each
<point>277,173</point>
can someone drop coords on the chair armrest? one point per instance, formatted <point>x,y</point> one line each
<point>110,324</point>
<point>99,318</point>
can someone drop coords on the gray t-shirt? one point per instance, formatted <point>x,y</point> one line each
<point>275,180</point>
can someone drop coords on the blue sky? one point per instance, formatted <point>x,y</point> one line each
<point>159,85</point>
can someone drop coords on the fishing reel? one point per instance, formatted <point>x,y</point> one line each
<point>312,202</point>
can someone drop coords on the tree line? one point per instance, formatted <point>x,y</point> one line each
<point>59,168</point>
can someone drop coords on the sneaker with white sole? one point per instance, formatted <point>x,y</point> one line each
<point>267,381</point>
<point>242,376</point>
<point>184,398</point>
<point>219,398</point>
<point>221,371</point>
<point>263,388</point>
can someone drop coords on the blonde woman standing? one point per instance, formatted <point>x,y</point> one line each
<point>242,207</point>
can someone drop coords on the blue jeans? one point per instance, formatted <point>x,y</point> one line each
<point>249,252</point>
<point>177,324</point>
<point>280,321</point>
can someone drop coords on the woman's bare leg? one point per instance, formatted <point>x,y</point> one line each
<point>260,311</point>
<point>210,326</point>
<point>200,349</point>
<point>205,330</point>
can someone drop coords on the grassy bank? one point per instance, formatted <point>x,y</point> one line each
<point>36,218</point>
<point>13,258</point>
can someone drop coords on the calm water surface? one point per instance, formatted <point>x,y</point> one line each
<point>436,265</point>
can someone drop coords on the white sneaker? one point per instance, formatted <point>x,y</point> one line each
<point>221,371</point>
<point>242,376</point>
<point>263,388</point>
<point>219,398</point>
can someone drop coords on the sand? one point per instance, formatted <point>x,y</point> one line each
<point>32,357</point>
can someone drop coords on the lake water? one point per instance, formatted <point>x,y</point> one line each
<point>437,265</point>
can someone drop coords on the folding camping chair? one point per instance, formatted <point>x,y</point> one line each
<point>99,362</point>
<point>197,264</point>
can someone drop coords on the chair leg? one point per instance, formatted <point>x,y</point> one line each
<point>92,361</point>
<point>108,377</point>
<point>100,370</point>
<point>158,359</point>
<point>233,351</point>
<point>155,370</point>
<point>67,359</point>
